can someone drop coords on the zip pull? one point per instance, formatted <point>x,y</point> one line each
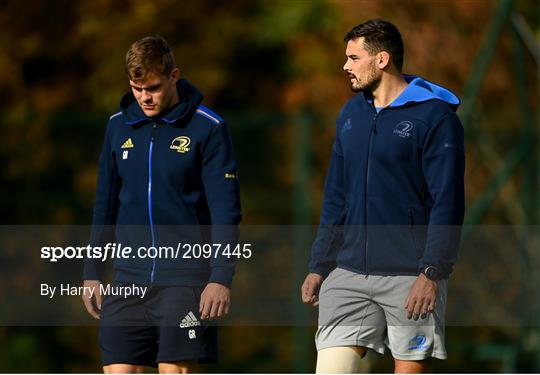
<point>374,124</point>
<point>153,132</point>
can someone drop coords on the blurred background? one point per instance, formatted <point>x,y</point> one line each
<point>273,70</point>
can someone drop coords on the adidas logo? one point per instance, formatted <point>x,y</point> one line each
<point>128,143</point>
<point>189,321</point>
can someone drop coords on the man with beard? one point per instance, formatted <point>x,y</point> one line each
<point>393,205</point>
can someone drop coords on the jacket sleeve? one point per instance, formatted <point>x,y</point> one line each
<point>105,207</point>
<point>330,232</point>
<point>222,190</point>
<point>443,163</point>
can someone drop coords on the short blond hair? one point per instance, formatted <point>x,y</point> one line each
<point>150,54</point>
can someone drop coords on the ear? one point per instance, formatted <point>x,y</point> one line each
<point>175,74</point>
<point>383,59</point>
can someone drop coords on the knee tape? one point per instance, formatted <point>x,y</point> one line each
<point>339,359</point>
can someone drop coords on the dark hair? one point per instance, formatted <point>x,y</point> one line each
<point>379,35</point>
<point>149,54</point>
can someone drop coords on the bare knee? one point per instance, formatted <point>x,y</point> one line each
<point>176,367</point>
<point>413,367</point>
<point>122,368</point>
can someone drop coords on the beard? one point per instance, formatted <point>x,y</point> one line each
<point>371,81</point>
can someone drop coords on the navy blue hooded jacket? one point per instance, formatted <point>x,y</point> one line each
<point>394,194</point>
<point>162,181</point>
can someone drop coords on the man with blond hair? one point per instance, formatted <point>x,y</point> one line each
<point>167,170</point>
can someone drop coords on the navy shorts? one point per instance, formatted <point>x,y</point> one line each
<point>164,326</point>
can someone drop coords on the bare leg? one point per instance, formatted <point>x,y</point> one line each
<point>176,367</point>
<point>122,368</point>
<point>413,367</point>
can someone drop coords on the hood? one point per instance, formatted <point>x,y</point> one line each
<point>190,99</point>
<point>420,90</point>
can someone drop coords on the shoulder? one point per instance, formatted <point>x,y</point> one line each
<point>116,118</point>
<point>115,115</point>
<point>434,112</point>
<point>116,125</point>
<point>208,116</point>
<point>441,106</point>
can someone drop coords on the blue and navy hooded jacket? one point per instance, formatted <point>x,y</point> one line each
<point>166,180</point>
<point>394,194</point>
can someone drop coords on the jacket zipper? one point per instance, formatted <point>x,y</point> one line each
<point>152,274</point>
<point>372,132</point>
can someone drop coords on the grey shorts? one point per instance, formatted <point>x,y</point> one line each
<point>368,311</point>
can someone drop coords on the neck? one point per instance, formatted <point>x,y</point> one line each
<point>175,98</point>
<point>391,86</point>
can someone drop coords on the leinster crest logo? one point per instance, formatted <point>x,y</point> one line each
<point>180,144</point>
<point>403,129</point>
